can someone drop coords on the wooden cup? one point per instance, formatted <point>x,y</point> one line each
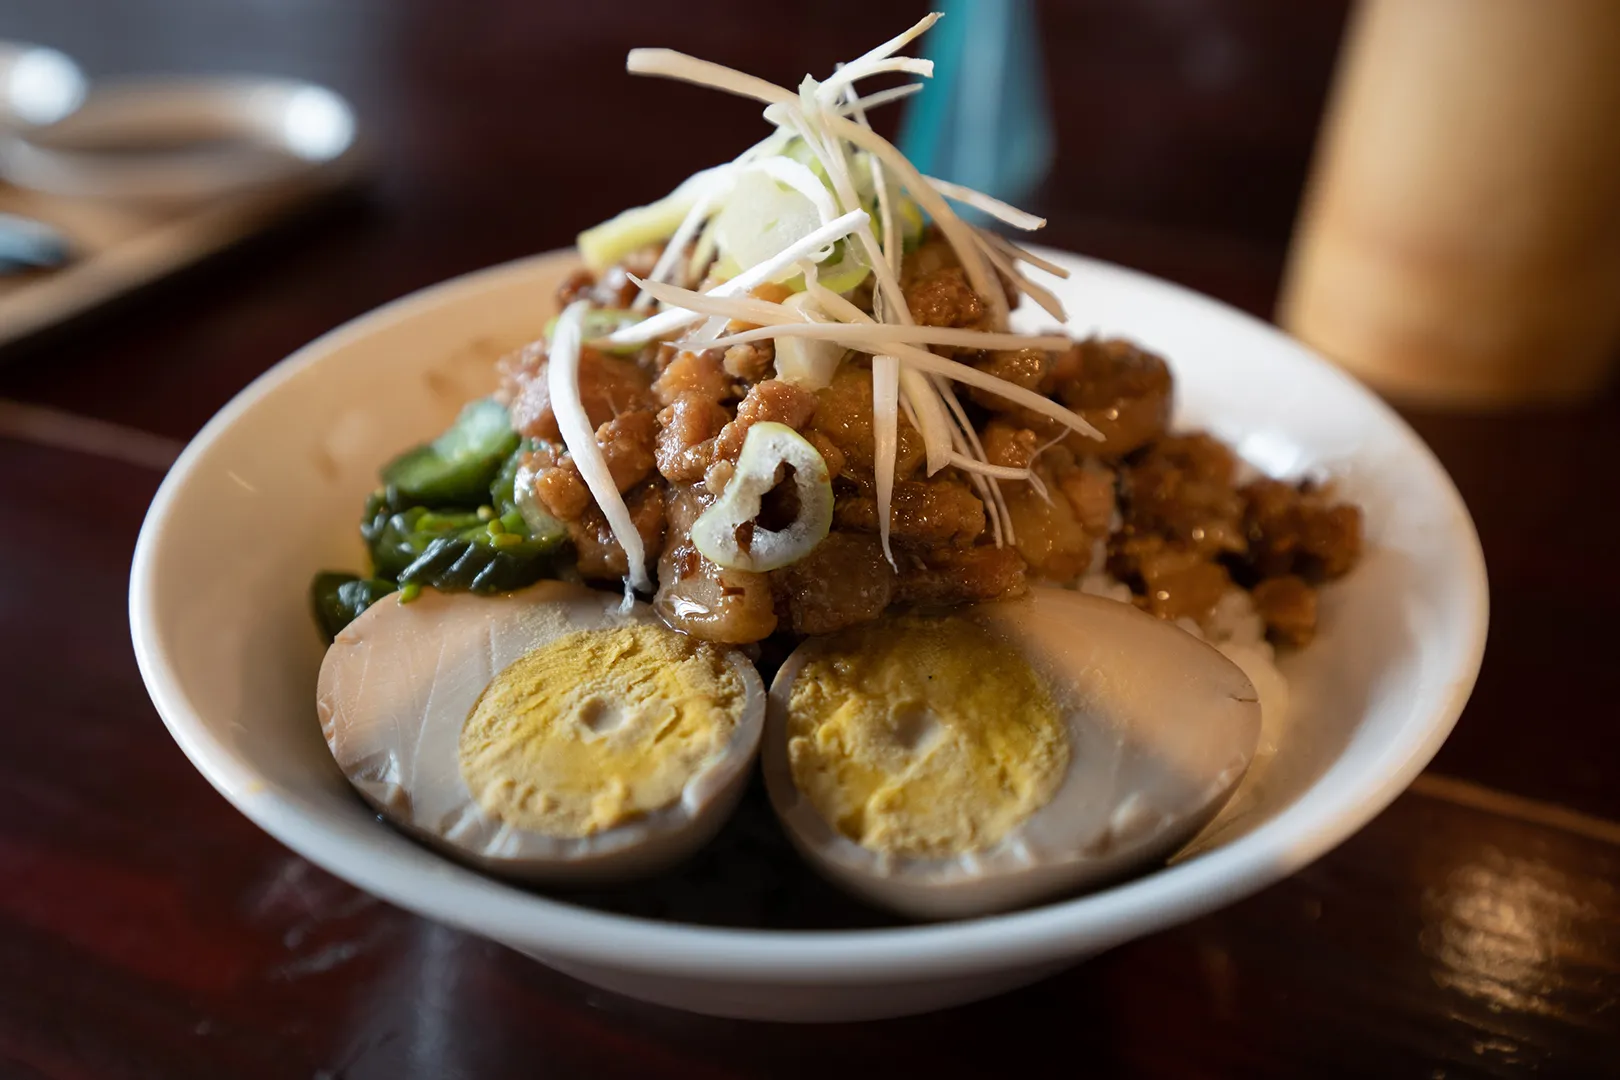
<point>1459,242</point>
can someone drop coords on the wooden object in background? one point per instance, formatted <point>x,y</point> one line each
<point>1460,241</point>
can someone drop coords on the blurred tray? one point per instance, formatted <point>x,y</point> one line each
<point>130,220</point>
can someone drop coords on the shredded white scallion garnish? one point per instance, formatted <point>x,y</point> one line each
<point>747,309</point>
<point>833,88</point>
<point>1001,516</point>
<point>896,332</point>
<point>671,255</point>
<point>1048,302</point>
<point>830,154</point>
<point>667,322</point>
<point>997,209</point>
<point>856,165</point>
<point>885,440</point>
<point>957,231</point>
<point>1024,255</point>
<point>890,47</point>
<point>930,417</point>
<point>801,179</point>
<point>562,382</point>
<point>883,97</point>
<point>678,65</point>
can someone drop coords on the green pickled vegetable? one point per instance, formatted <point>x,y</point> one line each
<point>397,538</point>
<point>339,598</point>
<point>457,468</point>
<point>457,551</point>
<point>493,556</point>
<point>450,516</point>
<point>501,489</point>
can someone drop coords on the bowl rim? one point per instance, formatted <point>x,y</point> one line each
<point>1320,819</point>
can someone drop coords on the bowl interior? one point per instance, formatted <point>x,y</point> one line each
<point>270,491</point>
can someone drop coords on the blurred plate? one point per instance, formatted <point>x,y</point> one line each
<point>151,175</point>
<point>181,140</point>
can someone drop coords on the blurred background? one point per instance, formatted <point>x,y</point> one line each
<point>1426,189</point>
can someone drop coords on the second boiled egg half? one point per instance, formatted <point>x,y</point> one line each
<point>967,762</point>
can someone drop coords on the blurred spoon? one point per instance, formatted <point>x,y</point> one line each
<point>30,244</point>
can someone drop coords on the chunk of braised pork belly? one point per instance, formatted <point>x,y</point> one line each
<point>1090,489</point>
<point>944,298</point>
<point>844,581</point>
<point>1295,530</point>
<point>955,575</point>
<point>1121,390</point>
<point>613,287</point>
<point>937,290</point>
<point>842,420</point>
<point>1008,444</point>
<point>627,445</point>
<point>1048,533</point>
<point>1180,488</point>
<point>934,256</point>
<point>699,597</point>
<point>938,510</point>
<point>1288,606</point>
<point>752,361</point>
<point>830,453</point>
<point>1169,580</point>
<point>693,374</point>
<point>1198,454</point>
<point>608,387</point>
<point>598,554</point>
<point>1026,368</point>
<point>1056,535</point>
<point>686,431</point>
<point>557,483</point>
<point>772,400</point>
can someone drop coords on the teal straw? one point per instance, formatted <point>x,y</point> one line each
<point>983,120</point>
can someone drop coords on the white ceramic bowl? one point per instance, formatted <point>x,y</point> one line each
<point>269,492</point>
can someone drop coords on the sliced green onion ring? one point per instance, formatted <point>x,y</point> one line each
<point>766,447</point>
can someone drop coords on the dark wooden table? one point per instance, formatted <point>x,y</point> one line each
<point>147,930</point>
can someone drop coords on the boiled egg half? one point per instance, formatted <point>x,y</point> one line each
<point>973,761</point>
<point>545,734</point>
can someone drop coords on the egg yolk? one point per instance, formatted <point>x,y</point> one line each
<point>923,736</point>
<point>598,727</point>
